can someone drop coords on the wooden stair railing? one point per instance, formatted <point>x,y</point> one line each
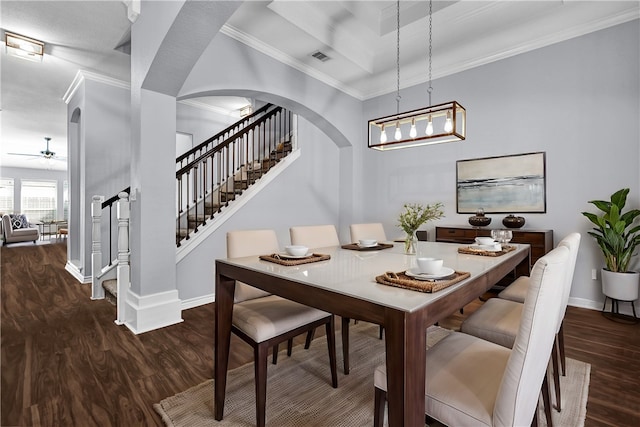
<point>212,175</point>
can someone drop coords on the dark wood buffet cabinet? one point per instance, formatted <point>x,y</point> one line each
<point>541,241</point>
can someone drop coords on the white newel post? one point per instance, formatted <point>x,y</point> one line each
<point>97,291</point>
<point>123,269</point>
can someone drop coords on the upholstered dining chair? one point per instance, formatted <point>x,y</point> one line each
<point>497,319</point>
<point>470,381</point>
<point>373,230</point>
<point>319,236</point>
<point>264,320</point>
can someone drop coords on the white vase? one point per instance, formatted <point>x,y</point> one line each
<point>621,286</point>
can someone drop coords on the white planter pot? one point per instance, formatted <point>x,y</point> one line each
<point>621,286</point>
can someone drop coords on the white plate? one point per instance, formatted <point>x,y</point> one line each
<point>287,256</point>
<point>415,273</point>
<point>488,248</point>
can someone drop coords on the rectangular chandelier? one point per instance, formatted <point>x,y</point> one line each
<point>24,47</point>
<point>431,125</point>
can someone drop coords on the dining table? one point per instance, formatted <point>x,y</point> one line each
<point>345,284</point>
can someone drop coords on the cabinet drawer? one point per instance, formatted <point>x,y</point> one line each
<point>536,239</point>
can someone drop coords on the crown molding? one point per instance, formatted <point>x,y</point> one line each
<point>83,75</point>
<point>282,57</point>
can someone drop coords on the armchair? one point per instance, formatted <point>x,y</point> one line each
<point>18,229</point>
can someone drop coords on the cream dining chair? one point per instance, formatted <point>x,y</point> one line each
<point>497,319</point>
<point>470,381</point>
<point>320,236</point>
<point>373,230</point>
<point>264,320</point>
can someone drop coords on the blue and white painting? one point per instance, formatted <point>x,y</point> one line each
<point>507,184</point>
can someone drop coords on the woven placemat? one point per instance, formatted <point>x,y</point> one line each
<point>401,280</point>
<point>470,251</point>
<point>356,247</point>
<point>276,258</point>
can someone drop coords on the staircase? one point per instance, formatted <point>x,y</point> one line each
<point>215,173</point>
<point>209,178</point>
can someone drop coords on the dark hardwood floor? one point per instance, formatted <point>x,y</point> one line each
<point>64,361</point>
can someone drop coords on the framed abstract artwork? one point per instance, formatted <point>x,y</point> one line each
<point>505,184</point>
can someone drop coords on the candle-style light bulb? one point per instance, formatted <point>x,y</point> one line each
<point>383,135</point>
<point>448,124</point>
<point>398,134</point>
<point>429,130</point>
<point>413,132</point>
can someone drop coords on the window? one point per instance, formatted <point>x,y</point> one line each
<point>65,201</point>
<point>6,195</point>
<point>39,200</point>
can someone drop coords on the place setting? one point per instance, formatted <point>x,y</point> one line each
<point>429,275</point>
<point>295,255</point>
<point>495,245</point>
<point>367,245</point>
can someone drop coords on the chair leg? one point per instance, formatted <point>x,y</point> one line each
<point>310,336</point>
<point>345,344</point>
<point>556,373</point>
<point>289,346</point>
<point>379,402</point>
<point>260,366</point>
<point>275,354</point>
<point>331,346</point>
<point>563,358</point>
<point>546,400</point>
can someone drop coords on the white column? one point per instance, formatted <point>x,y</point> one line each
<point>97,291</point>
<point>123,273</point>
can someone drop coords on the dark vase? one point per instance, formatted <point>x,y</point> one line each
<point>512,221</point>
<point>479,220</point>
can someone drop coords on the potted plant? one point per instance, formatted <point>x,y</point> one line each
<point>412,217</point>
<point>618,238</point>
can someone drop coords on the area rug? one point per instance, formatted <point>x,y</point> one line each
<point>299,392</point>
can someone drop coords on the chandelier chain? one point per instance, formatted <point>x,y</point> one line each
<point>398,97</point>
<point>430,88</point>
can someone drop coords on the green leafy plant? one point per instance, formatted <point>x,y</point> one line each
<point>416,214</point>
<point>614,231</point>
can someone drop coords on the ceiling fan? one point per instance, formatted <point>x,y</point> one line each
<point>44,156</point>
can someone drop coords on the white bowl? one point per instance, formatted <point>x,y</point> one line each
<point>296,250</point>
<point>368,242</point>
<point>485,240</point>
<point>429,265</point>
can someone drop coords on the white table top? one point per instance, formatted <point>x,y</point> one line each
<point>353,273</point>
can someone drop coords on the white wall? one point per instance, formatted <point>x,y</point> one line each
<point>578,101</point>
<point>201,123</point>
<point>304,194</point>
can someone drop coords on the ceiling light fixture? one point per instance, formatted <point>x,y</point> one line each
<point>430,125</point>
<point>24,47</point>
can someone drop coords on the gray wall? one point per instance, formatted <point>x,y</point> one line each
<point>19,174</point>
<point>578,101</point>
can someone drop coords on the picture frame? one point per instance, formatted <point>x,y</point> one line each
<point>503,184</point>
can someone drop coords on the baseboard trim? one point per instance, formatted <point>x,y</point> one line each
<point>149,312</point>
<point>197,302</point>
<point>625,308</point>
<point>76,273</point>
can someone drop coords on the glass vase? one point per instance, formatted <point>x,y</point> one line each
<point>410,244</point>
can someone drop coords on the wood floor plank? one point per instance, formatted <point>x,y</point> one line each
<point>65,362</point>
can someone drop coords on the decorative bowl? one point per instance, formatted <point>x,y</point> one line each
<point>367,242</point>
<point>512,221</point>
<point>429,265</point>
<point>296,250</point>
<point>485,240</point>
<point>479,221</point>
